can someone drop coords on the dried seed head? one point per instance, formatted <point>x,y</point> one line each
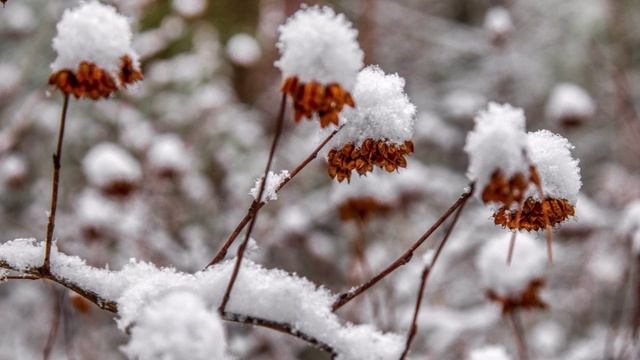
<point>534,214</point>
<point>112,170</point>
<point>362,208</point>
<point>529,299</point>
<point>327,101</point>
<point>569,105</point>
<point>365,157</point>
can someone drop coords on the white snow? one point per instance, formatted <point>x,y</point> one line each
<point>271,294</point>
<point>189,8</point>
<point>95,33</point>
<point>569,101</point>
<point>529,262</point>
<point>630,220</point>
<point>168,152</point>
<point>383,110</point>
<point>498,21</point>
<point>493,352</point>
<point>497,142</point>
<point>177,325</point>
<point>316,44</point>
<point>559,171</point>
<point>13,166</point>
<point>107,163</point>
<point>243,49</point>
<point>273,181</point>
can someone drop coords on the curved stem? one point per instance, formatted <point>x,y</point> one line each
<point>256,206</point>
<point>405,257</point>
<point>55,184</point>
<point>263,185</point>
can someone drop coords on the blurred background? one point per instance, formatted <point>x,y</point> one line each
<point>194,135</point>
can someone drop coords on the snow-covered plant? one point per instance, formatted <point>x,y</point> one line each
<point>378,131</point>
<point>516,285</point>
<point>489,353</point>
<point>569,105</point>
<point>320,59</point>
<point>177,325</point>
<point>112,169</point>
<point>274,181</point>
<point>498,24</point>
<point>95,57</point>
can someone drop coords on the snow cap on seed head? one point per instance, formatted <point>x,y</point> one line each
<point>383,110</point>
<point>95,33</point>
<point>316,44</point>
<point>559,171</point>
<point>497,142</point>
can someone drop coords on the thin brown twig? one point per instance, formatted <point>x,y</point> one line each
<point>55,184</point>
<point>413,330</point>
<point>263,185</point>
<point>55,324</point>
<point>256,206</point>
<point>512,244</point>
<point>345,297</point>
<point>518,333</point>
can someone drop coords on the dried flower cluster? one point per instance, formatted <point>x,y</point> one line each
<point>311,98</point>
<point>362,208</point>
<point>364,158</point>
<point>535,215</point>
<point>529,299</point>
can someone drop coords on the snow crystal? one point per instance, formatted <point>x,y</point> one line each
<point>168,152</point>
<point>106,163</point>
<point>529,263</point>
<point>383,110</point>
<point>189,8</point>
<point>243,49</point>
<point>559,171</point>
<point>316,44</point>
<point>177,326</point>
<point>497,142</point>
<point>95,33</point>
<point>489,353</point>
<point>569,101</point>
<point>498,21</point>
<point>273,181</point>
<point>269,294</point>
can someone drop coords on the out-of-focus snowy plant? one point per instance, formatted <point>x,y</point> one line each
<point>378,131</point>
<point>112,169</point>
<point>489,353</point>
<point>320,59</point>
<point>513,286</point>
<point>243,49</point>
<point>177,325</point>
<point>569,105</point>
<point>95,57</point>
<point>498,24</point>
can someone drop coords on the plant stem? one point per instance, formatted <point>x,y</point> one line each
<point>423,283</point>
<point>256,206</point>
<point>512,244</point>
<point>263,185</point>
<point>54,185</point>
<point>405,257</point>
<point>518,333</point>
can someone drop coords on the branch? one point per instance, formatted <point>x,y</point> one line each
<point>405,257</point>
<point>256,206</point>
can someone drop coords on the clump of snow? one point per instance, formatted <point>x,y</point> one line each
<point>189,8</point>
<point>316,44</point>
<point>493,352</point>
<point>13,169</point>
<point>383,110</point>
<point>498,21</point>
<point>169,153</point>
<point>177,325</point>
<point>528,263</point>
<point>273,181</point>
<point>558,170</point>
<point>95,33</point>
<point>497,142</point>
<point>270,294</point>
<point>107,163</point>
<point>243,49</point>
<point>569,101</point>
<point>461,105</point>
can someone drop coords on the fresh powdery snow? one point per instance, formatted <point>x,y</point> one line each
<point>569,101</point>
<point>270,190</point>
<point>498,141</point>
<point>95,33</point>
<point>383,110</point>
<point>316,44</point>
<point>106,163</point>
<point>558,170</point>
<point>489,353</point>
<point>271,294</point>
<point>529,263</point>
<point>243,49</point>
<point>177,325</point>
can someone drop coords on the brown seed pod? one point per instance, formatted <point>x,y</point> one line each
<point>528,299</point>
<point>532,217</point>
<point>363,158</point>
<point>362,208</point>
<point>311,98</point>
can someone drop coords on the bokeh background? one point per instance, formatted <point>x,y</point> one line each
<point>200,124</point>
